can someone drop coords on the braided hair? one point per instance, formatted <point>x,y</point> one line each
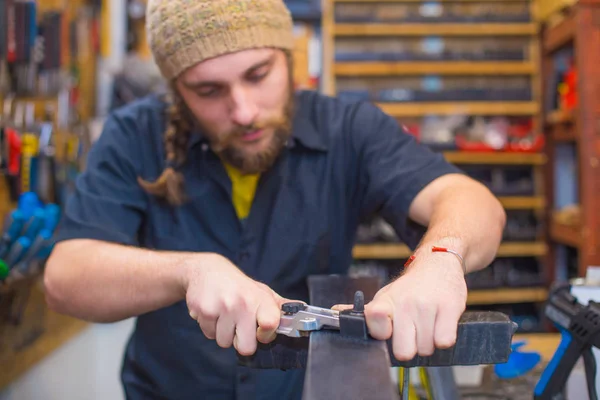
<point>170,184</point>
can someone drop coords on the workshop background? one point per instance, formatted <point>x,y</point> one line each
<point>507,90</point>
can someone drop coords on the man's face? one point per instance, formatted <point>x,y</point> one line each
<point>243,104</point>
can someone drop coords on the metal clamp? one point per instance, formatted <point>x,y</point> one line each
<point>299,319</point>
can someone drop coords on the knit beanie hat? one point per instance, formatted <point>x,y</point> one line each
<point>182,33</point>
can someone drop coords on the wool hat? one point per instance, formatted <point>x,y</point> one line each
<point>182,33</point>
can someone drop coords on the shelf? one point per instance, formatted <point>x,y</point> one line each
<point>523,203</point>
<point>560,117</point>
<point>440,29</point>
<point>549,11</point>
<point>506,296</point>
<point>436,67</point>
<point>420,1</point>
<point>388,251</point>
<point>502,158</point>
<point>381,251</point>
<point>522,249</point>
<point>562,133</point>
<point>517,108</point>
<point>569,235</point>
<point>560,35</point>
<point>561,125</point>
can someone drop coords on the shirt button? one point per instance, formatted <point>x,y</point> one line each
<point>244,378</point>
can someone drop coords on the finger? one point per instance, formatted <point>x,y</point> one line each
<point>446,326</point>
<point>425,326</point>
<point>207,319</point>
<point>379,314</point>
<point>245,334</point>
<point>404,341</point>
<point>267,318</point>
<point>225,330</point>
<point>208,327</point>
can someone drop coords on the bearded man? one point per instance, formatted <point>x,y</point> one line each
<point>200,213</point>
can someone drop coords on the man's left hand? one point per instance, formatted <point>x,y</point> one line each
<point>420,310</point>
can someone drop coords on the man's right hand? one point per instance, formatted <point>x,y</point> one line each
<point>229,306</point>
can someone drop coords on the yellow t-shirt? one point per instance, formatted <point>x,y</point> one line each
<point>243,188</point>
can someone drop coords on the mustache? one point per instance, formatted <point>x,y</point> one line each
<point>226,138</point>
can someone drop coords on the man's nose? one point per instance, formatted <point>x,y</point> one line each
<point>244,109</point>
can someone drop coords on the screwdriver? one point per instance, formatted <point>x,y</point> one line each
<point>4,270</point>
<point>14,225</point>
<point>34,251</point>
<point>17,250</point>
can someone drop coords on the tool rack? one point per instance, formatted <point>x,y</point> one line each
<point>572,34</point>
<point>29,331</point>
<point>353,29</point>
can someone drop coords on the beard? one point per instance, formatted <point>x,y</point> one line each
<point>249,162</point>
<point>257,162</point>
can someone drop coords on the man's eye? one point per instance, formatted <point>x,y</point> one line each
<point>208,92</point>
<point>256,77</point>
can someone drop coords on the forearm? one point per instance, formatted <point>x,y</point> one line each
<point>468,219</point>
<point>105,282</point>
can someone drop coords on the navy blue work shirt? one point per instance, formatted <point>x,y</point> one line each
<point>344,162</point>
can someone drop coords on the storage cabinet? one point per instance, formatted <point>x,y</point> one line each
<point>463,77</point>
<point>571,112</point>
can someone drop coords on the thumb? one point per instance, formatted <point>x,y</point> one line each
<point>267,318</point>
<point>282,300</point>
<point>379,316</point>
<point>342,307</point>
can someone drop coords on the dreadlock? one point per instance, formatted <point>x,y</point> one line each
<point>170,184</point>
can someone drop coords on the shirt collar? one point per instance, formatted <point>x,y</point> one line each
<point>305,134</point>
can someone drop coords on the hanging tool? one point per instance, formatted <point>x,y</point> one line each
<point>11,147</point>
<point>579,326</point>
<point>46,166</point>
<point>30,150</point>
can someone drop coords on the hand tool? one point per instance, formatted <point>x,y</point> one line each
<point>298,319</point>
<point>34,252</point>
<point>35,224</point>
<point>30,150</point>
<point>46,173</point>
<point>13,226</point>
<point>17,250</point>
<point>579,326</point>
<point>4,270</point>
<point>28,202</point>
<point>52,217</point>
<point>11,147</point>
